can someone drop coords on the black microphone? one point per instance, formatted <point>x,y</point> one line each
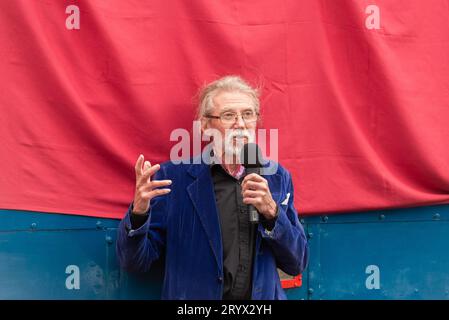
<point>251,159</point>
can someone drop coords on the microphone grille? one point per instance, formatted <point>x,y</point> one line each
<point>251,156</point>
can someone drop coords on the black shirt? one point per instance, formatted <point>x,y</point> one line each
<point>238,235</point>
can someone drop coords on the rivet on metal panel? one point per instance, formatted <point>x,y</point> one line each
<point>98,224</point>
<point>108,239</point>
<point>382,217</point>
<point>436,216</point>
<point>310,291</point>
<point>310,235</point>
<point>325,218</point>
<point>33,225</point>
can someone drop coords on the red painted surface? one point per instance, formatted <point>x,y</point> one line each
<point>362,113</point>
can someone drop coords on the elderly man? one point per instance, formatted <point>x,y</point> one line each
<point>196,214</point>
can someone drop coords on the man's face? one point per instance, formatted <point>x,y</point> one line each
<point>234,132</point>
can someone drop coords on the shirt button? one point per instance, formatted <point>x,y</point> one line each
<point>220,279</point>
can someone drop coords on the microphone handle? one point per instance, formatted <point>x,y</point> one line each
<point>253,214</point>
<point>252,211</point>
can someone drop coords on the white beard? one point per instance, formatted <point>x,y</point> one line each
<point>233,148</point>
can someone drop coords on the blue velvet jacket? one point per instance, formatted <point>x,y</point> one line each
<point>184,226</point>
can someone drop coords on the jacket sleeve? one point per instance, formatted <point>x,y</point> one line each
<point>137,249</point>
<point>287,239</point>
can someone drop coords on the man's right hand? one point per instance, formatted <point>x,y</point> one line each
<point>145,187</point>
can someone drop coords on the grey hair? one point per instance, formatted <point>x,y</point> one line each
<point>227,83</point>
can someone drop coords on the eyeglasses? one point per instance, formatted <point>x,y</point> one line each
<point>229,118</point>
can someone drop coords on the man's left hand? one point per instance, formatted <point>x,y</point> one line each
<point>255,191</point>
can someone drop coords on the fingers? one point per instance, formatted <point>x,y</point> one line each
<point>256,192</point>
<point>254,201</point>
<point>150,171</point>
<point>251,185</point>
<point>254,177</point>
<point>140,170</point>
<point>138,166</point>
<point>253,194</point>
<point>146,166</point>
<point>155,184</point>
<point>154,193</point>
<point>253,180</point>
<point>161,183</point>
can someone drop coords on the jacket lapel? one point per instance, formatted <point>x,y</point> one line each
<point>201,192</point>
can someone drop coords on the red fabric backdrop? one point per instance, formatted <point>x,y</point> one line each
<point>362,113</point>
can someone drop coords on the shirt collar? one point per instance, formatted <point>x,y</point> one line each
<point>216,161</point>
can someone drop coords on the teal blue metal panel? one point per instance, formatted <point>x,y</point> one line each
<point>33,264</point>
<point>300,293</point>
<point>27,220</point>
<point>397,254</point>
<point>40,253</point>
